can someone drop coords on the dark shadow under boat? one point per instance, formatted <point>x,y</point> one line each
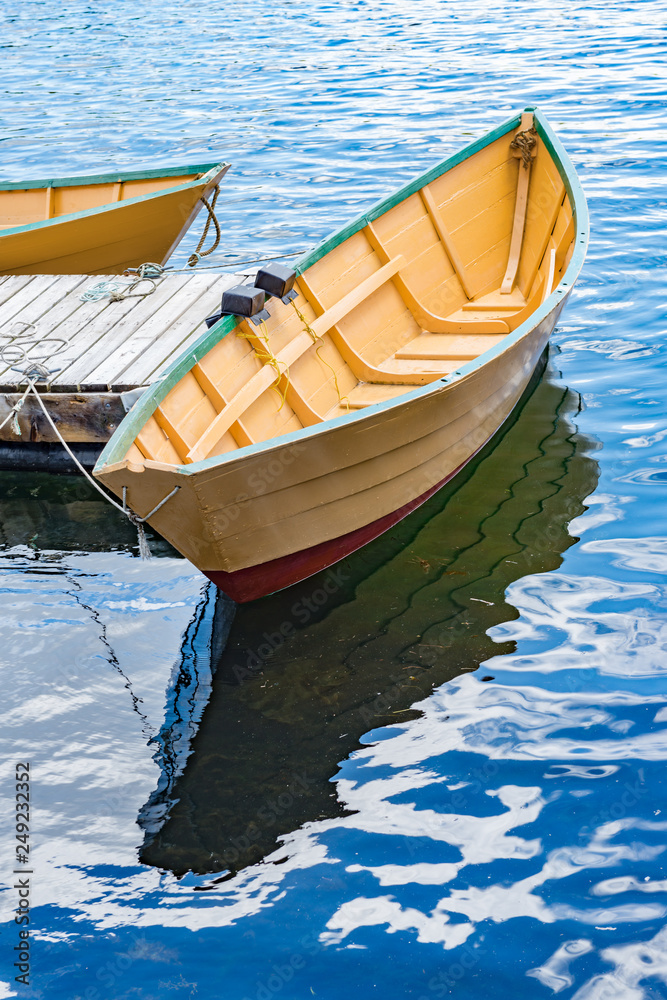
<point>300,676</point>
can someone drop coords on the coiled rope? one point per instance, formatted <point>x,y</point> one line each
<point>524,143</point>
<point>23,337</point>
<point>117,289</point>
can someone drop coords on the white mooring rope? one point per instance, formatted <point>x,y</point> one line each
<point>33,372</point>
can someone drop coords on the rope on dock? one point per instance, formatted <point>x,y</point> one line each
<point>117,289</point>
<point>15,355</point>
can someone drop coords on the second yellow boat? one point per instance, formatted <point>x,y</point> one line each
<point>100,224</point>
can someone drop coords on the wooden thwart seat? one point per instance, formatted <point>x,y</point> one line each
<point>364,290</point>
<point>406,371</point>
<point>368,393</point>
<point>443,346</point>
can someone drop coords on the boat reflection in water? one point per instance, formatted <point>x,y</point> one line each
<point>47,512</point>
<point>300,676</point>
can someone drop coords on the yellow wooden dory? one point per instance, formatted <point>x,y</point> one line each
<point>102,224</point>
<point>283,447</point>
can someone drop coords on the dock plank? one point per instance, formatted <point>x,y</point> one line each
<point>60,320</point>
<point>19,300</point>
<point>184,330</point>
<point>155,327</point>
<point>118,325</point>
<point>43,312</point>
<point>88,325</point>
<point>9,287</point>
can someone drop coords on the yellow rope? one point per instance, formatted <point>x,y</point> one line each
<point>308,328</point>
<point>267,357</point>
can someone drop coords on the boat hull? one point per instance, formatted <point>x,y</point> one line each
<point>259,580</point>
<point>299,489</point>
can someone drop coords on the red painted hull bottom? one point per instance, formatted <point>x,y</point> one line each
<point>266,578</point>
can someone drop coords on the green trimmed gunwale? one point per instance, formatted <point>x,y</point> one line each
<point>112,178</point>
<point>219,168</point>
<point>118,445</point>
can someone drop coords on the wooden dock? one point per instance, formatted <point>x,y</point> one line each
<point>112,349</point>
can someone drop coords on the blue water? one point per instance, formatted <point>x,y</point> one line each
<point>451,776</point>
